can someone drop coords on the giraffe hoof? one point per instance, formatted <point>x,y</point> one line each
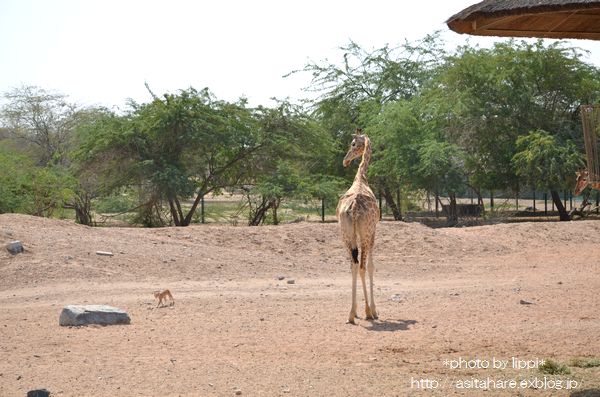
<point>350,322</point>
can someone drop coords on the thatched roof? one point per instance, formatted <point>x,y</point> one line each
<point>573,19</point>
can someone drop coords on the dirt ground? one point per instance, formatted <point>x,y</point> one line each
<point>459,310</point>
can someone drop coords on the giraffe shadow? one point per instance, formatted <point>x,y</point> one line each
<point>389,325</point>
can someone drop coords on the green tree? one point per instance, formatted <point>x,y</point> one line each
<point>181,146</point>
<point>27,188</point>
<point>355,92</point>
<point>547,163</point>
<point>41,120</point>
<point>294,164</point>
<point>487,98</point>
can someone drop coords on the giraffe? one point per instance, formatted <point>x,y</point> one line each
<point>583,180</point>
<point>358,214</point>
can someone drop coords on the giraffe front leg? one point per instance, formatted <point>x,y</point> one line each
<point>352,315</point>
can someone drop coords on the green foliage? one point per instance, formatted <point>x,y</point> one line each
<point>26,188</point>
<point>585,362</point>
<point>441,166</point>
<point>118,202</point>
<point>545,162</point>
<point>42,120</point>
<point>552,367</point>
<point>487,98</point>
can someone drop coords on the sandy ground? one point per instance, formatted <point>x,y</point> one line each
<point>449,303</point>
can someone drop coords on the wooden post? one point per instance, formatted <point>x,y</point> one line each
<point>545,203</point>
<point>597,201</point>
<point>471,191</point>
<point>570,200</point>
<point>492,199</point>
<point>323,210</point>
<point>437,210</point>
<point>398,200</point>
<point>534,201</point>
<point>380,207</point>
<point>202,209</point>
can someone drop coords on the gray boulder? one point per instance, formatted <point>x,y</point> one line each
<point>93,314</point>
<point>38,393</point>
<point>15,247</point>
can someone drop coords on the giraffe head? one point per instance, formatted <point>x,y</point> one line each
<point>357,147</point>
<point>583,179</point>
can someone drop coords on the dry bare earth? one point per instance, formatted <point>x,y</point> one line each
<point>456,293</point>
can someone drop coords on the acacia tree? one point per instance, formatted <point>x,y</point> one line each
<point>488,98</point>
<point>294,164</point>
<point>411,146</point>
<point>178,147</point>
<point>41,119</point>
<point>355,91</point>
<point>547,163</point>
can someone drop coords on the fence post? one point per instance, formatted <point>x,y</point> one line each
<point>492,199</point>
<point>380,207</point>
<point>534,208</point>
<point>545,203</point>
<point>570,200</point>
<point>398,199</point>
<point>437,211</point>
<point>202,209</point>
<point>323,210</point>
<point>597,201</point>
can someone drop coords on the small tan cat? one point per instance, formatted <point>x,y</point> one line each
<point>162,297</point>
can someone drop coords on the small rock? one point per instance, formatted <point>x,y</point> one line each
<point>291,281</point>
<point>396,298</point>
<point>560,283</point>
<point>15,247</point>
<point>280,278</point>
<point>238,392</point>
<point>38,393</point>
<point>524,302</point>
<point>104,253</point>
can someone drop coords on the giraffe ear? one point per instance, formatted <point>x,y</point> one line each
<point>358,131</point>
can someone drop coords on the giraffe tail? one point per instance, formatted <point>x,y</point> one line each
<point>353,216</point>
<point>348,224</point>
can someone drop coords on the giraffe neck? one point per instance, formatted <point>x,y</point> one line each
<point>361,174</point>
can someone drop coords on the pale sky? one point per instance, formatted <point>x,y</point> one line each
<point>102,52</point>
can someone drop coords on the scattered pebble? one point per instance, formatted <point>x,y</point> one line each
<point>524,302</point>
<point>291,281</point>
<point>396,298</point>
<point>104,253</point>
<point>280,278</point>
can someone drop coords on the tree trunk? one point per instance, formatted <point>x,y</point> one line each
<point>258,215</point>
<point>174,213</point>
<point>389,199</point>
<point>453,213</point>
<point>274,203</point>
<point>562,211</point>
